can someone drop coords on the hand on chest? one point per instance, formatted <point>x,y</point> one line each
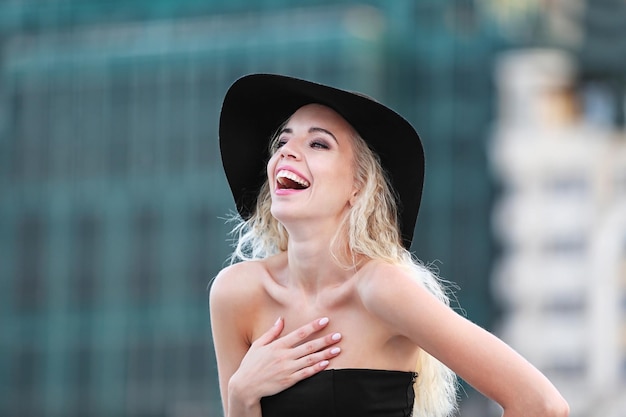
<point>365,341</point>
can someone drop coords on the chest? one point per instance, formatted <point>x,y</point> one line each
<point>342,305</point>
<point>366,340</point>
<point>354,322</point>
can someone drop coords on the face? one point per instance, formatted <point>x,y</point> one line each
<point>311,172</point>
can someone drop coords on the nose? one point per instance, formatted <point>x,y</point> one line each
<point>289,150</point>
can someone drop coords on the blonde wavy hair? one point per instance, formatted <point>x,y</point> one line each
<point>370,230</point>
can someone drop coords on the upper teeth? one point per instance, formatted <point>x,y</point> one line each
<point>283,173</point>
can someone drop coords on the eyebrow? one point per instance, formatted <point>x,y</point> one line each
<point>311,130</point>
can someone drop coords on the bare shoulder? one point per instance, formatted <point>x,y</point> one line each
<point>385,287</point>
<point>236,285</point>
<point>378,278</point>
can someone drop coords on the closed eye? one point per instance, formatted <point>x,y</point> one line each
<point>319,144</point>
<point>279,143</point>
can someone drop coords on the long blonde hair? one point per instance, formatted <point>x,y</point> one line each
<point>370,230</point>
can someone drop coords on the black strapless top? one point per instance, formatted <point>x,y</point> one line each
<point>345,393</point>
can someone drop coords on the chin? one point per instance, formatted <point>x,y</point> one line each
<point>291,215</point>
<point>283,214</point>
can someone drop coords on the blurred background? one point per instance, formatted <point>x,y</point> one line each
<point>112,197</point>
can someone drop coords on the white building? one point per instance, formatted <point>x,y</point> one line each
<point>561,221</point>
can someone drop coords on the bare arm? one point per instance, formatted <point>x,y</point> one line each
<point>477,356</point>
<point>271,364</point>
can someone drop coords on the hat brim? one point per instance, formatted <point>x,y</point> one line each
<point>256,105</point>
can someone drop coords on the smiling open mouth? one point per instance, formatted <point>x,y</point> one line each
<point>287,180</point>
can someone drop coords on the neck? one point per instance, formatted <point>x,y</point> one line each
<point>312,266</point>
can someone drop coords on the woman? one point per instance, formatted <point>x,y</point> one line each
<point>328,314</point>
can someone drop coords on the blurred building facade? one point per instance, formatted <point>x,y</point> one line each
<point>561,219</point>
<point>558,153</point>
<point>113,201</point>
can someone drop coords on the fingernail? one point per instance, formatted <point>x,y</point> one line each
<point>323,322</point>
<point>278,321</point>
<point>336,336</point>
<point>324,364</point>
<point>335,351</point>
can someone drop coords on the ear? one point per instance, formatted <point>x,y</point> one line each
<point>353,198</point>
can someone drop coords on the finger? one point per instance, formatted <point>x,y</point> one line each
<point>302,333</point>
<point>272,333</point>
<point>318,358</point>
<point>308,371</point>
<point>313,346</point>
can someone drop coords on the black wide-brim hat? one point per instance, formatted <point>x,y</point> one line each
<point>256,105</point>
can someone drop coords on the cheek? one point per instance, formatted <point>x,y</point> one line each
<point>341,180</point>
<point>270,167</point>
